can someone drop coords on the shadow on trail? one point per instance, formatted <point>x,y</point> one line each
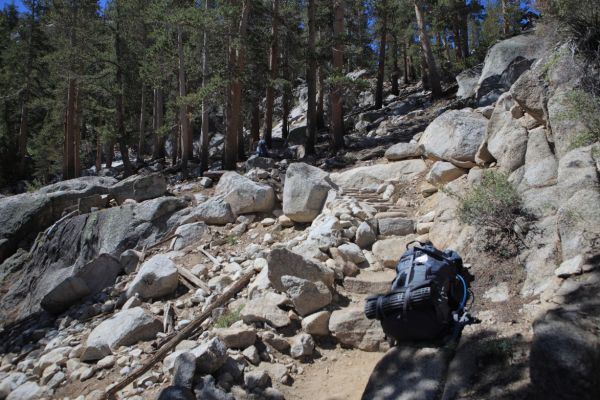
<point>484,366</point>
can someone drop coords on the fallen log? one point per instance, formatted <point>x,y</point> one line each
<point>193,279</point>
<point>185,333</point>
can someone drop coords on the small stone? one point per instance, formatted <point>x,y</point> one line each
<point>302,345</point>
<point>106,362</point>
<point>251,354</point>
<point>256,379</point>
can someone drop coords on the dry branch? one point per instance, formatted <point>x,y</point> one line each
<point>186,332</point>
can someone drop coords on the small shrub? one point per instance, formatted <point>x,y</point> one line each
<point>229,318</point>
<point>585,107</point>
<point>231,239</point>
<point>33,185</point>
<point>495,209</point>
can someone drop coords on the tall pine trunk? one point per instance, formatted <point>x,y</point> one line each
<point>268,131</point>
<point>77,134</point>
<point>381,67</point>
<point>286,95</point>
<point>395,69</point>
<point>337,113</point>
<point>311,80</point>
<point>434,78</point>
<point>255,122</point>
<point>157,123</point>
<point>320,97</point>
<point>204,139</point>
<point>406,71</point>
<point>184,122</point>
<point>235,93</point>
<point>69,156</point>
<point>142,138</point>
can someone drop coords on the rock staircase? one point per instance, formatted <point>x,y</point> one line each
<point>374,279</point>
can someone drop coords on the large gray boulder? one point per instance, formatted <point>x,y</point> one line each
<point>467,82</point>
<point>403,151</point>
<point>506,139</point>
<point>579,213</point>
<point>541,167</point>
<point>282,261</point>
<point>214,211</point>
<point>388,251</point>
<point>157,277</point>
<point>23,216</point>
<point>244,195</point>
<point>305,192</point>
<point>454,136</point>
<point>189,234</point>
<point>139,187</point>
<point>529,92</point>
<point>125,328</point>
<point>396,226</point>
<point>504,63</point>
<point>307,296</point>
<point>78,240</point>
<point>443,172</point>
<point>373,176</point>
<point>69,285</point>
<point>567,124</point>
<point>265,308</point>
<point>351,328</point>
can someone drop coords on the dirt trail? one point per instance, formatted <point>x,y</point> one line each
<point>339,375</point>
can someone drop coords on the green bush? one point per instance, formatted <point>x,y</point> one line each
<point>585,107</point>
<point>229,318</point>
<point>494,208</point>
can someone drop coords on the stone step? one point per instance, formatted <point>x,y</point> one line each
<point>370,282</point>
<point>392,214</point>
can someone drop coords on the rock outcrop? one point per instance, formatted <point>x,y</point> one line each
<point>304,192</point>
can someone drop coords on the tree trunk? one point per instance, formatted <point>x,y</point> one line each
<point>337,113</point>
<point>142,137</point>
<point>505,18</point>
<point>424,73</point>
<point>396,72</point>
<point>286,96</point>
<point>434,78</point>
<point>320,98</point>
<point>157,123</point>
<point>382,44</point>
<point>110,153</point>
<point>204,139</point>
<point>120,103</point>
<point>272,74</point>
<point>77,135</point>
<point>406,72</point>
<point>311,80</point>
<point>69,157</point>
<point>98,153</point>
<point>464,30</point>
<point>235,93</point>
<point>255,123</point>
<point>184,121</point>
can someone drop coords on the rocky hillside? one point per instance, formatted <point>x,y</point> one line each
<point>99,275</point>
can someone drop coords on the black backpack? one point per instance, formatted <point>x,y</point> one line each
<point>431,288</point>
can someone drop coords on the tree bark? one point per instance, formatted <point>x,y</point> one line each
<point>268,131</point>
<point>142,138</point>
<point>406,71</point>
<point>311,81</point>
<point>157,123</point>
<point>337,112</point>
<point>24,122</point>
<point>255,123</point>
<point>286,95</point>
<point>77,135</point>
<point>120,103</point>
<point>98,152</point>
<point>320,98</point>
<point>184,122</point>
<point>204,139</point>
<point>235,93</point>
<point>396,71</point>
<point>434,78</point>
<point>382,44</point>
<point>505,18</point>
<point>69,157</point>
